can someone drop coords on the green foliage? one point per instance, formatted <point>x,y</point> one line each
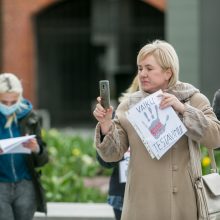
<point>206,162</point>
<point>71,159</point>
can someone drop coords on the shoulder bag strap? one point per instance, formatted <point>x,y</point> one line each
<point>195,158</point>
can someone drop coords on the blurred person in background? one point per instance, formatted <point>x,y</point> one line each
<point>165,188</point>
<point>216,103</point>
<point>21,193</point>
<point>119,173</point>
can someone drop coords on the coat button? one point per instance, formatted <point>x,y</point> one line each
<point>175,189</point>
<point>175,167</point>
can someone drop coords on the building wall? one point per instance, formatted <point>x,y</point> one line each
<point>110,48</point>
<point>210,46</point>
<point>182,31</point>
<point>193,28</point>
<point>17,40</point>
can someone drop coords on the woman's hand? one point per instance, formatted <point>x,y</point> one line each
<point>104,116</point>
<point>32,145</point>
<point>171,100</point>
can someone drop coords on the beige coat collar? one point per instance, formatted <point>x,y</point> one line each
<point>183,91</point>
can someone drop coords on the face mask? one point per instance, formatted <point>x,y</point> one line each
<point>8,110</point>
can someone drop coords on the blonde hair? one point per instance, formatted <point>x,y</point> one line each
<point>10,83</point>
<point>165,55</point>
<point>134,87</point>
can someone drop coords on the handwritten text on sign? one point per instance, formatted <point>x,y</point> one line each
<point>159,129</point>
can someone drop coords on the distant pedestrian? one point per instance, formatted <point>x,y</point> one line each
<point>216,103</point>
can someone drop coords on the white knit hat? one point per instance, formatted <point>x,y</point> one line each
<point>10,83</point>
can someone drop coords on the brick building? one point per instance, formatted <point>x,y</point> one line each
<point>17,40</point>
<point>61,49</point>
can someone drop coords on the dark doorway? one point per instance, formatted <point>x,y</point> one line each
<point>144,25</point>
<point>70,64</point>
<point>67,63</point>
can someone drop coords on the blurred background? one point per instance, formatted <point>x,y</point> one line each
<point>62,48</point>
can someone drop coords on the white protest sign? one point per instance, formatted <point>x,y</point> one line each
<point>159,129</point>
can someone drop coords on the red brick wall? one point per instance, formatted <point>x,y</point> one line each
<point>159,4</point>
<point>18,55</point>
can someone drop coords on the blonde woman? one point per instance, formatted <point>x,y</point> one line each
<point>20,190</point>
<point>158,189</point>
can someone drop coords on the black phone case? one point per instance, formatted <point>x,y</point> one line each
<point>104,93</point>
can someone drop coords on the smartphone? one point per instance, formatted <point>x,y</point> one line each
<point>104,93</point>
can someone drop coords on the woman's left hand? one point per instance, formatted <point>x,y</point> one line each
<point>32,145</point>
<point>171,100</point>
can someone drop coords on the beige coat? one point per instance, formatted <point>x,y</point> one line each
<point>160,189</point>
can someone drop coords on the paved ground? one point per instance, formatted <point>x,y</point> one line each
<point>77,211</point>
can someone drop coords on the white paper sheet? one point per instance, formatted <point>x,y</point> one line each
<point>14,145</point>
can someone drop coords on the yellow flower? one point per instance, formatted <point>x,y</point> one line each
<point>76,152</point>
<point>206,161</point>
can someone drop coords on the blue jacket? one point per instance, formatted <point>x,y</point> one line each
<point>13,167</point>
